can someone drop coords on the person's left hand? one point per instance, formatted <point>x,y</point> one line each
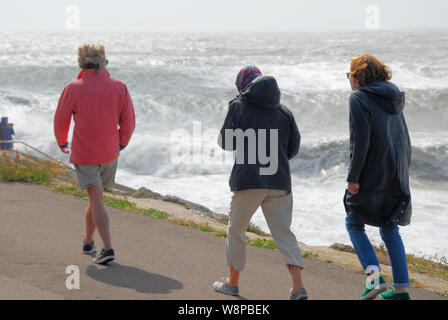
<point>353,187</point>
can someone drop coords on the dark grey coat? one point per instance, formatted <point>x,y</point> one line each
<point>258,107</point>
<point>380,155</point>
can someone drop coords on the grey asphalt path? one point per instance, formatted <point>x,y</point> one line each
<point>41,234</point>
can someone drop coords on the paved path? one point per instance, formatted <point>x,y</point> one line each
<point>41,234</point>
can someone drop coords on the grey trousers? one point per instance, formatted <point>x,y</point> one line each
<point>277,210</point>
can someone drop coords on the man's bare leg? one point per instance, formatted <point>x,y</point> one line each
<point>90,224</point>
<point>100,216</point>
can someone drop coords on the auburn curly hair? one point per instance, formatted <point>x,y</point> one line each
<point>91,56</point>
<point>367,68</point>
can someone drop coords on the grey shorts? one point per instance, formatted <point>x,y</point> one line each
<point>102,175</point>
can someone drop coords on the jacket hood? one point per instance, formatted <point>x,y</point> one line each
<point>4,119</point>
<point>264,91</point>
<point>387,95</point>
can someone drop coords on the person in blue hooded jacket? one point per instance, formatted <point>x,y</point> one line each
<point>264,136</point>
<point>6,133</point>
<point>378,191</point>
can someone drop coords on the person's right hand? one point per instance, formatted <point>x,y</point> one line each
<point>64,148</point>
<point>353,187</point>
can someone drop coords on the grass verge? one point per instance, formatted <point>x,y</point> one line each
<point>205,228</point>
<point>111,201</point>
<point>416,264</point>
<point>15,167</point>
<point>308,254</point>
<point>262,243</point>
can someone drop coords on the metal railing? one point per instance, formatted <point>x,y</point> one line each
<point>116,185</point>
<point>37,150</point>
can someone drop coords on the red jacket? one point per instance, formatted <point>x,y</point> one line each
<point>104,117</point>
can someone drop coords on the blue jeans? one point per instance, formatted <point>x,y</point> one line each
<point>367,256</point>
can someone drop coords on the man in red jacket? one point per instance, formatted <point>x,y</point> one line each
<point>104,122</point>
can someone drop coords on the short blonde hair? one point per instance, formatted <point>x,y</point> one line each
<point>91,56</point>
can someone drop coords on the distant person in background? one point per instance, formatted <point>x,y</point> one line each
<point>2,134</point>
<point>99,106</point>
<point>378,179</point>
<point>257,109</point>
<point>6,133</point>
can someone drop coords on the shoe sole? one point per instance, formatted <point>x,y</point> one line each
<point>372,295</point>
<point>104,260</point>
<point>89,252</point>
<point>226,292</point>
<point>300,299</point>
<point>393,299</point>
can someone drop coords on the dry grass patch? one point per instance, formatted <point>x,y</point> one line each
<point>15,167</point>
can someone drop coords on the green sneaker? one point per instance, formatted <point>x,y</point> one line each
<point>373,292</point>
<point>391,295</point>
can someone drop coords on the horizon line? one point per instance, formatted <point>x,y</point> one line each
<point>83,31</point>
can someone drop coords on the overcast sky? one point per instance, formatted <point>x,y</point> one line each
<point>223,15</point>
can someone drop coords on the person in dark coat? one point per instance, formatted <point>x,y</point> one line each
<point>2,135</point>
<point>6,133</point>
<point>378,191</point>
<point>264,136</point>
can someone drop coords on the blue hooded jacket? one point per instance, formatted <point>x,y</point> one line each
<point>380,155</point>
<point>258,109</point>
<point>6,133</point>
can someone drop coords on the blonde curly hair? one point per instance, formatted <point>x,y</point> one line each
<point>367,68</point>
<point>92,56</point>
